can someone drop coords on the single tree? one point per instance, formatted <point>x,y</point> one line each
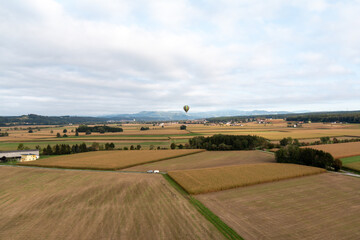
<point>21,146</point>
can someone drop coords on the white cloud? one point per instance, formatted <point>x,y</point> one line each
<point>87,58</point>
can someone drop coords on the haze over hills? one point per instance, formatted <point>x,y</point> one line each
<point>179,115</point>
<point>150,116</point>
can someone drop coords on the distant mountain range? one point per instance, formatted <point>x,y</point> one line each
<point>213,116</point>
<point>173,116</point>
<point>34,119</point>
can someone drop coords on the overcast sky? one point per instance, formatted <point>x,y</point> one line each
<point>90,57</point>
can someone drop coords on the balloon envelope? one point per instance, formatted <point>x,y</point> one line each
<point>186,108</point>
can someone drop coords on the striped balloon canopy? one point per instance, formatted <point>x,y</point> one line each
<point>186,108</point>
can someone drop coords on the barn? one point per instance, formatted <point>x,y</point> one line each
<point>32,154</point>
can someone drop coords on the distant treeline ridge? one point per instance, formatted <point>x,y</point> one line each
<point>349,117</point>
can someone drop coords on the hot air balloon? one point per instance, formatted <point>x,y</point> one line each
<point>186,108</point>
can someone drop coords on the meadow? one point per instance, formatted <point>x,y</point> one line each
<point>353,166</point>
<point>71,204</point>
<point>323,206</point>
<point>206,180</point>
<point>340,150</point>
<point>351,163</point>
<point>109,160</point>
<point>208,159</point>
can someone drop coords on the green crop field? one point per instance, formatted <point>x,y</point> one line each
<point>351,163</point>
<point>350,159</point>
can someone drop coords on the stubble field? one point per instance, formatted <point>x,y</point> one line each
<point>208,159</point>
<point>324,206</point>
<point>109,160</point>
<point>69,204</point>
<point>340,150</point>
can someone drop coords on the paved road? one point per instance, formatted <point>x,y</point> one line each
<point>343,172</point>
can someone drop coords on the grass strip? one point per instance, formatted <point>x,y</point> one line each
<point>350,170</point>
<point>227,231</point>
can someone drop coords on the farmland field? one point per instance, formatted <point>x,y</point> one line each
<point>350,159</point>
<point>353,163</point>
<point>108,160</point>
<point>163,136</point>
<point>277,132</point>
<point>205,180</point>
<point>208,159</point>
<point>340,150</point>
<point>354,166</point>
<point>69,204</point>
<point>324,206</point>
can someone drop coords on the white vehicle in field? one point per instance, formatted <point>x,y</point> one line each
<point>156,171</point>
<point>150,171</point>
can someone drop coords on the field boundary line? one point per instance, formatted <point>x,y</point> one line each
<point>162,159</point>
<point>112,168</point>
<point>272,153</point>
<point>227,231</point>
<point>351,171</point>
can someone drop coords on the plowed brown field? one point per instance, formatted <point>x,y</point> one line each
<point>68,204</point>
<point>324,206</point>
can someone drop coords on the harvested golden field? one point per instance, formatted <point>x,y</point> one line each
<point>208,159</point>
<point>108,160</point>
<point>311,140</point>
<point>62,204</point>
<point>277,132</point>
<point>205,180</point>
<point>340,150</point>
<point>324,206</point>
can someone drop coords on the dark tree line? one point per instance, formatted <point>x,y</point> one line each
<point>33,119</point>
<point>5,134</point>
<point>60,149</point>
<point>323,140</point>
<point>100,129</point>
<point>307,156</point>
<point>349,117</point>
<point>228,142</point>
